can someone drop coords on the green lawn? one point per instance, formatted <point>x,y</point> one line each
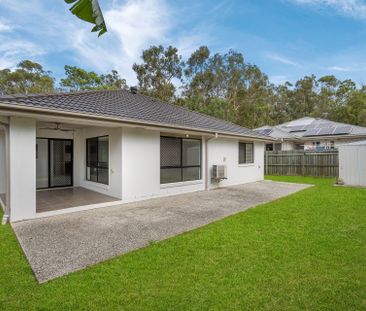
<point>305,251</point>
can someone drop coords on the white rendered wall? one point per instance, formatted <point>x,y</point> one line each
<point>352,165</point>
<point>225,152</point>
<point>22,152</point>
<point>114,188</point>
<point>287,145</point>
<point>141,167</point>
<point>2,163</point>
<point>134,164</point>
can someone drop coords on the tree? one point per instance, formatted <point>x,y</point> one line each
<point>326,100</point>
<point>158,71</point>
<point>89,11</point>
<point>304,97</point>
<point>255,98</point>
<point>198,76</point>
<point>28,77</point>
<point>113,81</point>
<point>236,74</point>
<point>78,79</point>
<point>280,108</point>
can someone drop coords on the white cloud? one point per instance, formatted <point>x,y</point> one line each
<point>352,8</point>
<point>14,50</point>
<point>4,26</point>
<point>138,23</point>
<point>223,7</point>
<point>339,68</point>
<point>132,27</point>
<point>281,59</point>
<point>31,36</point>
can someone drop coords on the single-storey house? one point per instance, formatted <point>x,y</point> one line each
<point>66,152</point>
<point>311,134</point>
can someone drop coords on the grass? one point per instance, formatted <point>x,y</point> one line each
<point>305,251</point>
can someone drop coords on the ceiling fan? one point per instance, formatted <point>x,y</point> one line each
<point>57,128</point>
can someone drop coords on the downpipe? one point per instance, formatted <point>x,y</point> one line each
<point>206,160</point>
<point>6,208</point>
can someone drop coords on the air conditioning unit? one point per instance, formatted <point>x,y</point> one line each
<point>219,172</point>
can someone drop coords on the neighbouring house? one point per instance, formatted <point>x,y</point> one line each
<point>352,164</point>
<point>73,151</point>
<point>311,134</point>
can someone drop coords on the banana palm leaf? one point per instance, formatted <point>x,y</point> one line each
<point>89,10</point>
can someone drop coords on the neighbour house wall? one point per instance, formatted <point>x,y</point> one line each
<point>22,152</point>
<point>352,165</point>
<point>288,145</point>
<point>308,145</point>
<point>225,152</point>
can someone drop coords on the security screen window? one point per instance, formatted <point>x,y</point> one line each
<point>246,153</point>
<point>97,156</point>
<point>180,159</point>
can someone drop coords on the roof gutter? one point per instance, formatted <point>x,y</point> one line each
<point>49,112</point>
<point>333,137</point>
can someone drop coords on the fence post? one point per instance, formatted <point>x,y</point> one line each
<point>303,164</point>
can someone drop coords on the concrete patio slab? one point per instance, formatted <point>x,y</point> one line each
<point>62,244</point>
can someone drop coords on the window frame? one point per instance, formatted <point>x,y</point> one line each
<point>182,167</point>
<point>97,153</point>
<point>245,156</point>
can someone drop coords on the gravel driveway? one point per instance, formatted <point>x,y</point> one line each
<point>62,244</point>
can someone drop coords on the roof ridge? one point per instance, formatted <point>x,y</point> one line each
<point>194,111</point>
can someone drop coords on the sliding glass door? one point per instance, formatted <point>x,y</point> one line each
<point>54,162</point>
<point>42,163</point>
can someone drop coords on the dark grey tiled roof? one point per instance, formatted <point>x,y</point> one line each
<point>127,106</point>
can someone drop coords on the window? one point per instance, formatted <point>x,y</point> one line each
<point>269,147</point>
<point>97,157</point>
<point>246,153</point>
<point>277,147</point>
<point>180,159</point>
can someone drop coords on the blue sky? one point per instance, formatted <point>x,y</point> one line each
<point>287,39</point>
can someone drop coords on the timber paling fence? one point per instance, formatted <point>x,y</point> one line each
<point>303,163</point>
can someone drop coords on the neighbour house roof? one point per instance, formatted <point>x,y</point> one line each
<point>274,132</point>
<point>126,106</point>
<point>306,128</point>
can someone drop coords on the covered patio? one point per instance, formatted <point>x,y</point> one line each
<point>70,171</point>
<point>65,198</point>
<point>58,166</point>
